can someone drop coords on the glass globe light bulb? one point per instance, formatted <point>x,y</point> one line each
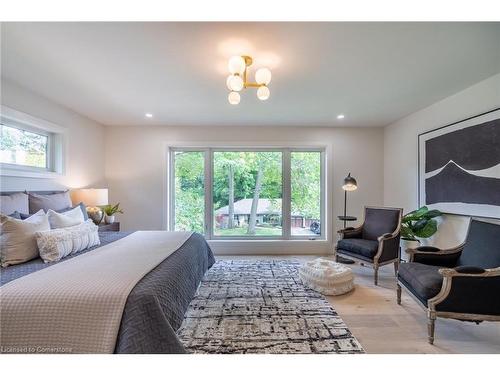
<point>235,83</point>
<point>233,97</point>
<point>263,93</point>
<point>228,81</point>
<point>263,76</point>
<point>236,65</point>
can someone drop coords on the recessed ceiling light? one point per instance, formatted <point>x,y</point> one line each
<point>149,115</point>
<point>340,117</point>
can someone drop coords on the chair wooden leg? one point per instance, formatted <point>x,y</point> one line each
<point>396,267</point>
<point>376,274</point>
<point>430,329</point>
<point>398,292</point>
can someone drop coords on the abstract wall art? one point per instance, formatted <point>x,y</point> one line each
<point>459,167</point>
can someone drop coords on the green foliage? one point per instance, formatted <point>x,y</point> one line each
<point>189,183</point>
<point>33,147</point>
<point>110,210</point>
<point>306,184</point>
<point>419,224</point>
<point>245,165</point>
<point>189,191</point>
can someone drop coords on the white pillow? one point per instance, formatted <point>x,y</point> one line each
<point>65,219</point>
<point>58,243</point>
<point>17,237</point>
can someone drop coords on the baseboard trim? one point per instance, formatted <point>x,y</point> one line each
<point>271,247</point>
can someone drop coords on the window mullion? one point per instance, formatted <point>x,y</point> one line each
<point>324,224</point>
<point>286,201</point>
<point>171,203</point>
<point>209,225</point>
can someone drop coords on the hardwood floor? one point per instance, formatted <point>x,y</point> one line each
<point>382,326</point>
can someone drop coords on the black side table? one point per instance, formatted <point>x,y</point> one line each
<point>345,219</point>
<point>115,227</point>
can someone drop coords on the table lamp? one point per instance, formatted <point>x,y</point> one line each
<point>93,199</point>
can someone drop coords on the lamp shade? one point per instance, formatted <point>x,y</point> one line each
<point>350,183</point>
<point>90,197</point>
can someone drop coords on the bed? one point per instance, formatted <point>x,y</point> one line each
<point>155,306</point>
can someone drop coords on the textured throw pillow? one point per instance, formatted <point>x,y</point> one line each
<point>58,243</point>
<point>17,238</point>
<point>65,219</point>
<point>56,202</point>
<point>14,202</point>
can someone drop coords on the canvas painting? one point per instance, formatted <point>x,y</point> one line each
<point>459,167</point>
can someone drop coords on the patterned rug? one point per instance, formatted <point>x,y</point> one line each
<point>247,306</point>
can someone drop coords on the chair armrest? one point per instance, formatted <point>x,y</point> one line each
<point>469,271</point>
<point>432,250</point>
<point>388,247</point>
<point>387,236</point>
<point>350,232</point>
<point>470,291</point>
<point>435,256</point>
<point>348,229</point>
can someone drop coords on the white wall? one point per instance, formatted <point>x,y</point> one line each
<point>401,142</point>
<point>84,142</point>
<point>136,169</point>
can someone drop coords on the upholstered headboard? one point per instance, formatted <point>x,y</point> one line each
<point>19,201</point>
<point>43,192</point>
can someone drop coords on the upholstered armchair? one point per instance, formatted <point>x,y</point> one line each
<point>376,241</point>
<point>459,283</point>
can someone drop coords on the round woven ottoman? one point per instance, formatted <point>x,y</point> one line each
<point>327,277</point>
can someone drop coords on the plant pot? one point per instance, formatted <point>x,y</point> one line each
<point>109,219</point>
<point>407,245</point>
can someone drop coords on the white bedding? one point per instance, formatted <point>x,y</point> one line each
<point>76,306</point>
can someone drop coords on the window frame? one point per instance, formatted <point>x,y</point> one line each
<point>286,152</point>
<point>55,150</point>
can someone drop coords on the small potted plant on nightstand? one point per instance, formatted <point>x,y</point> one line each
<point>110,212</point>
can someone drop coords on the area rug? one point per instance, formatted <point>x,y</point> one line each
<point>247,306</point>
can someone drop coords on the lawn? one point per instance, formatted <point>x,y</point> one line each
<point>242,231</point>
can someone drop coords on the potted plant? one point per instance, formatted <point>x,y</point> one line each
<point>110,212</point>
<point>419,224</point>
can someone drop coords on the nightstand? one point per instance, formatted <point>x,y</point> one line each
<point>115,227</point>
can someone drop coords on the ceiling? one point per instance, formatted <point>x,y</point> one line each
<point>374,73</point>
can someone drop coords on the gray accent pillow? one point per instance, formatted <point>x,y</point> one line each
<point>16,215</point>
<point>14,202</point>
<point>56,202</point>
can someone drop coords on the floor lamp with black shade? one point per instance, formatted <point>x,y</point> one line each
<point>350,184</point>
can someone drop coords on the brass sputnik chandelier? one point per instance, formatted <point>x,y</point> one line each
<point>237,81</point>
